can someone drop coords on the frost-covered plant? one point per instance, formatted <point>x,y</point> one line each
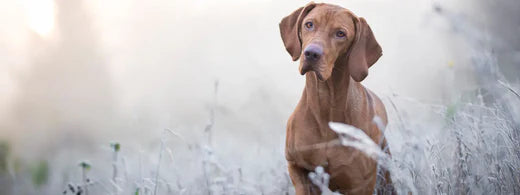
<point>351,136</point>
<point>115,148</point>
<point>321,179</point>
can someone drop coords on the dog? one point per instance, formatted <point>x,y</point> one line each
<point>335,48</point>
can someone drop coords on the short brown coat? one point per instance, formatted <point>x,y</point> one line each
<point>332,93</point>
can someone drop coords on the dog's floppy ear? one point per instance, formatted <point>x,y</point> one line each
<point>290,27</point>
<point>364,51</point>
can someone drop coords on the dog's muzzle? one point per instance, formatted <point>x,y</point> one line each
<point>312,54</point>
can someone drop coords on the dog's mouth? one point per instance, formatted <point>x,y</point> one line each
<point>318,74</point>
<point>311,68</point>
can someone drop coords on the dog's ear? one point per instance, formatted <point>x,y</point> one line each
<point>290,28</point>
<point>364,51</point>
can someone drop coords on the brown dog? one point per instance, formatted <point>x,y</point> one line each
<point>338,48</point>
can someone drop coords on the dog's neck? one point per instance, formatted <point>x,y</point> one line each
<point>327,100</point>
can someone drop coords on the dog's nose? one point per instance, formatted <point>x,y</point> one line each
<point>313,52</point>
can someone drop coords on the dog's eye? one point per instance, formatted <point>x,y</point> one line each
<point>340,34</point>
<point>309,25</point>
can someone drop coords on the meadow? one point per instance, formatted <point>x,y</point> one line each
<point>151,122</point>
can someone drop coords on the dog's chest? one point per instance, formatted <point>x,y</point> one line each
<point>309,156</point>
<point>310,144</point>
<point>307,146</point>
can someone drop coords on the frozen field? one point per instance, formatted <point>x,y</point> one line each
<point>192,97</point>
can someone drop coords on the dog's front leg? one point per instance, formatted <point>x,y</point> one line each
<point>302,183</point>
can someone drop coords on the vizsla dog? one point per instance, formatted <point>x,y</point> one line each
<point>335,48</point>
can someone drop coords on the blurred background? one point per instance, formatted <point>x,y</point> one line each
<point>192,97</point>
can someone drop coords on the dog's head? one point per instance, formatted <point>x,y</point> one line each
<point>324,36</point>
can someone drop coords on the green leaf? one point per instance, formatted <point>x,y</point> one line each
<point>85,165</point>
<point>116,146</point>
<point>4,155</point>
<point>40,173</point>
